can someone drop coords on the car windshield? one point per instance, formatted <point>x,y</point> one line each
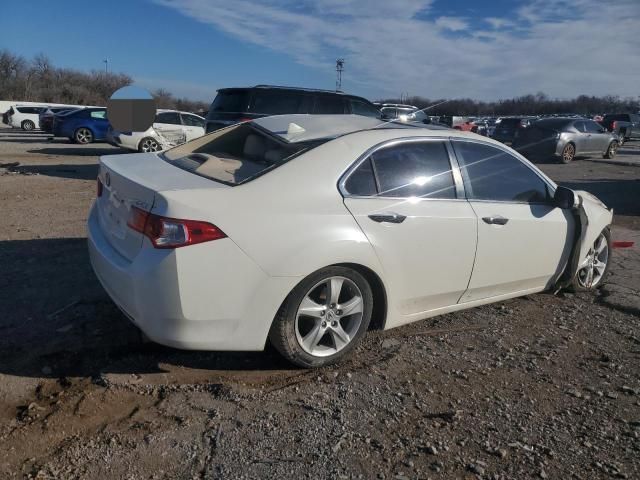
<point>236,154</point>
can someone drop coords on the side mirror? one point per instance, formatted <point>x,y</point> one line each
<point>564,198</point>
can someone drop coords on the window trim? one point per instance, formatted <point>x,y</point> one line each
<point>457,177</point>
<point>547,181</point>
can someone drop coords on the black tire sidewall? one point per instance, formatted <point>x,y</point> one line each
<point>283,335</point>
<point>608,153</point>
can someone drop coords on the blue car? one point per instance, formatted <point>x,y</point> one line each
<point>83,126</point>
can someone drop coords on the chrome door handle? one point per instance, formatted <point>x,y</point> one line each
<point>387,217</point>
<point>498,220</point>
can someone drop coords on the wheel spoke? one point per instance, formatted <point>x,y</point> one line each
<point>340,337</point>
<point>352,306</point>
<point>599,266</point>
<point>589,280</point>
<point>310,308</point>
<point>334,286</point>
<point>312,339</point>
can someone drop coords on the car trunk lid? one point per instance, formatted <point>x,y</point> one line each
<point>132,181</point>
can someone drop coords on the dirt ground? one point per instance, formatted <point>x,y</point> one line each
<point>542,386</point>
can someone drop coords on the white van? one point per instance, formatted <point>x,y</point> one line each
<point>26,117</point>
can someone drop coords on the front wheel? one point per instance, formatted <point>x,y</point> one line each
<point>594,268</point>
<point>323,318</point>
<point>568,153</point>
<point>611,150</point>
<point>83,136</point>
<point>28,125</point>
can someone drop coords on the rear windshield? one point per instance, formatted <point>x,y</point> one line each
<point>230,101</point>
<point>235,154</point>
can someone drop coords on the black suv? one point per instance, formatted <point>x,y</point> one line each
<point>233,105</point>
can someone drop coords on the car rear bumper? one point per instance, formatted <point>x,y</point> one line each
<point>201,297</point>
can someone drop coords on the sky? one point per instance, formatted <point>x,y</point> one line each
<point>478,49</point>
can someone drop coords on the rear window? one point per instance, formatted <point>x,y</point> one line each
<point>230,101</point>
<point>236,154</point>
<point>557,124</point>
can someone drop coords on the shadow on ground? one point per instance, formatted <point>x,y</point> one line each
<point>58,322</point>
<point>78,151</point>
<point>81,172</point>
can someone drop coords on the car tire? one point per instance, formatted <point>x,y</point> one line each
<point>621,139</point>
<point>611,150</point>
<point>568,153</point>
<point>27,125</point>
<point>83,136</point>
<point>329,333</point>
<point>146,145</point>
<point>600,251</point>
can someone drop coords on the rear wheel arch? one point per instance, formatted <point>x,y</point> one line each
<point>380,304</point>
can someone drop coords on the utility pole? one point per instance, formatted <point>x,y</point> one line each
<point>106,65</point>
<point>339,69</point>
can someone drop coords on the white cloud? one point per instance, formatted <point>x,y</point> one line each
<point>498,23</point>
<point>451,23</point>
<point>561,47</point>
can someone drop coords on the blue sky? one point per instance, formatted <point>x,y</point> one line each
<point>433,48</point>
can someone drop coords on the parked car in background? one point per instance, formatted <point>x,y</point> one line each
<point>304,230</point>
<point>625,125</point>
<point>565,139</point>
<point>46,117</point>
<point>402,113</point>
<point>168,125</point>
<point>26,117</point>
<point>84,126</point>
<point>506,128</point>
<point>233,105</point>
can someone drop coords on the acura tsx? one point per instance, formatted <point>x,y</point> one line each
<point>307,230</point>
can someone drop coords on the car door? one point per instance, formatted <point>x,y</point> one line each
<point>524,240</point>
<point>192,126</point>
<point>168,122</point>
<point>407,201</point>
<point>99,123</point>
<point>580,139</point>
<point>597,137</point>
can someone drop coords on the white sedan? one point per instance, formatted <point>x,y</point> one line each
<point>170,127</point>
<point>308,230</point>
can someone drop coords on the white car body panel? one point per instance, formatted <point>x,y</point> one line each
<point>131,140</point>
<point>17,118</point>
<point>288,223</point>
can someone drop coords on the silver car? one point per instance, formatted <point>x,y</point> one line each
<point>565,139</point>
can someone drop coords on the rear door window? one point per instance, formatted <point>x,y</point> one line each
<point>580,126</point>
<point>592,127</point>
<point>172,118</point>
<point>492,174</point>
<point>411,169</point>
<point>330,104</point>
<point>100,114</point>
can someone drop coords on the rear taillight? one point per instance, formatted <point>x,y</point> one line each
<point>172,232</point>
<point>614,124</point>
<point>98,188</point>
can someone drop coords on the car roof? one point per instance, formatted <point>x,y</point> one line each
<point>294,89</point>
<point>298,128</point>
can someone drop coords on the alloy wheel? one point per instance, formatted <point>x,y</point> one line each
<point>613,148</point>
<point>150,145</point>
<point>568,153</point>
<point>84,135</point>
<point>593,267</point>
<point>329,316</point>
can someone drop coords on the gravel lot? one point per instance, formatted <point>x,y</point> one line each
<point>538,387</point>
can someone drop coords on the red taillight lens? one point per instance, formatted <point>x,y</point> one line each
<point>172,232</point>
<point>613,126</point>
<point>98,188</point>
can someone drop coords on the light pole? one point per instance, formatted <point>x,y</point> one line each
<point>339,69</point>
<point>106,65</point>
